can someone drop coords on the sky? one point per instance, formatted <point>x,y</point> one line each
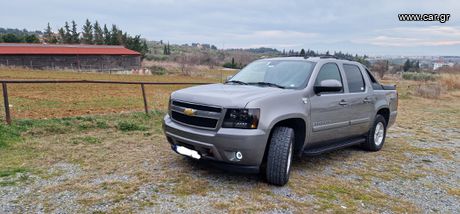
<point>360,26</point>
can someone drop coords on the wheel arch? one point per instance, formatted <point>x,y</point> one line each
<point>300,133</point>
<point>385,112</point>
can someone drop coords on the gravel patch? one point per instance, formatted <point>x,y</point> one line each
<point>425,192</point>
<point>109,179</point>
<point>16,199</point>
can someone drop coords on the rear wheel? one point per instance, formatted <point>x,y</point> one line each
<point>279,156</point>
<point>376,136</point>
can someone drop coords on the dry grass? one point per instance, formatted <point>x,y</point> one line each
<point>428,90</point>
<point>446,86</point>
<point>203,71</point>
<point>62,100</point>
<point>450,81</point>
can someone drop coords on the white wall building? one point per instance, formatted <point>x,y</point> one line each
<point>438,65</point>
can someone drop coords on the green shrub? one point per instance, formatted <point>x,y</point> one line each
<point>157,70</point>
<point>130,126</point>
<point>102,124</point>
<point>12,171</point>
<point>419,76</point>
<point>85,125</point>
<point>9,134</point>
<point>230,65</point>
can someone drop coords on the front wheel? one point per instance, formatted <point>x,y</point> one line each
<point>376,136</point>
<point>279,156</point>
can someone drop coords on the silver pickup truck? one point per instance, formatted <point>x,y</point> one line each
<point>276,108</point>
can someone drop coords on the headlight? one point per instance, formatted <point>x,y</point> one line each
<point>241,118</point>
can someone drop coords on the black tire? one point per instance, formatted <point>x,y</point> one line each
<point>371,143</point>
<point>279,156</point>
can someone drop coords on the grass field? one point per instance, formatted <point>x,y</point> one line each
<point>121,163</point>
<point>62,100</point>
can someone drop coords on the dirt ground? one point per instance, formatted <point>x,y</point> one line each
<point>121,163</point>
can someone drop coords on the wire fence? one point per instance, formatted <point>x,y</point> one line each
<point>119,67</point>
<point>5,83</point>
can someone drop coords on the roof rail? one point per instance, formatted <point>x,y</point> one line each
<point>328,57</point>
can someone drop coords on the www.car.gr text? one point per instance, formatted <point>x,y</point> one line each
<point>427,17</point>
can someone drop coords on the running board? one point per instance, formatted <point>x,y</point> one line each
<point>320,150</point>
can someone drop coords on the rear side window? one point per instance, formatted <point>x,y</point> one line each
<point>354,78</point>
<point>375,84</point>
<point>327,72</point>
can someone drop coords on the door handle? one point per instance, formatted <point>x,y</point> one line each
<point>367,100</point>
<point>343,103</point>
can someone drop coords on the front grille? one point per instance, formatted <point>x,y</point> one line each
<point>193,120</point>
<point>197,107</point>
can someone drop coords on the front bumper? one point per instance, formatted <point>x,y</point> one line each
<point>220,145</point>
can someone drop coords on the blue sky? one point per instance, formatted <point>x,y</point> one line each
<point>361,26</point>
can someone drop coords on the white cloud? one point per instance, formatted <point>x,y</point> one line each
<point>277,35</point>
<point>435,30</point>
<point>414,36</point>
<point>407,42</point>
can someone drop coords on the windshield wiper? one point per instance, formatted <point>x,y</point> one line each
<point>237,82</point>
<point>267,84</point>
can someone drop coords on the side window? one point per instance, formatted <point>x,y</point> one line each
<point>354,78</point>
<point>329,71</point>
<point>375,84</point>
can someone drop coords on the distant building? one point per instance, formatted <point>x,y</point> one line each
<point>75,57</point>
<point>438,65</point>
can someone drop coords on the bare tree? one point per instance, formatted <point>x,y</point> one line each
<point>184,61</point>
<point>380,67</point>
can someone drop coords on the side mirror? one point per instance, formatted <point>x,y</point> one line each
<point>329,85</point>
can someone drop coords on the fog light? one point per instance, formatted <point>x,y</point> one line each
<point>238,155</point>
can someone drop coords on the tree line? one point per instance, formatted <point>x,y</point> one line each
<point>10,35</point>
<point>92,34</point>
<point>340,55</point>
<point>95,34</point>
<point>411,66</point>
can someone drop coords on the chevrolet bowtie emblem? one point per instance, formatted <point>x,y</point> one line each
<point>189,111</point>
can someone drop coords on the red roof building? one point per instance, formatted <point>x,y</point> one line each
<point>69,56</point>
<point>18,48</point>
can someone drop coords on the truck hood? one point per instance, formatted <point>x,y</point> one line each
<point>224,95</point>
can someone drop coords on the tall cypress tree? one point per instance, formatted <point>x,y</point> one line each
<point>407,65</point>
<point>75,35</point>
<point>67,38</point>
<point>169,49</point>
<point>302,52</point>
<point>107,36</point>
<point>61,33</point>
<point>98,34</point>
<point>116,36</point>
<point>87,34</point>
<point>48,34</point>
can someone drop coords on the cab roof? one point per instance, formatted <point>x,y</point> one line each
<point>313,59</point>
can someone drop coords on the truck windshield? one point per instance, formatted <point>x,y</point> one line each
<point>275,73</point>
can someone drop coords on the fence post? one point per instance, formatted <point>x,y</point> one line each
<point>7,104</point>
<point>146,108</point>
